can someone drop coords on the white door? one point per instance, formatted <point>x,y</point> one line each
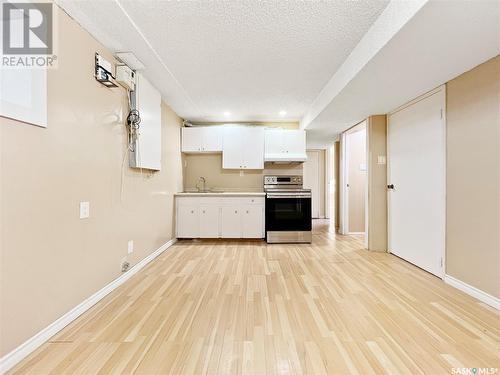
<point>252,221</point>
<point>232,156</point>
<point>416,139</point>
<point>311,176</point>
<point>192,139</point>
<point>209,221</point>
<point>294,141</point>
<point>273,141</point>
<point>252,147</point>
<point>187,221</point>
<point>231,222</point>
<point>212,139</point>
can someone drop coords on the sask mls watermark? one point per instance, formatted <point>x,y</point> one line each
<point>27,35</point>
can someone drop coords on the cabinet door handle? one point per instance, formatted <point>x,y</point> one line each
<point>247,211</point>
<point>203,211</point>
<point>192,211</point>
<point>235,211</point>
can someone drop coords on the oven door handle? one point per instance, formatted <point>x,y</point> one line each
<point>279,196</point>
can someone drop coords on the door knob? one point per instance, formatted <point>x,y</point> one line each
<point>391,186</point>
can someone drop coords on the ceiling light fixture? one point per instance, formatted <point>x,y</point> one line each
<point>282,113</point>
<point>227,114</point>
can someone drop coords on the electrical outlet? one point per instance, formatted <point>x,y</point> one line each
<point>84,210</point>
<point>124,264</point>
<point>130,247</point>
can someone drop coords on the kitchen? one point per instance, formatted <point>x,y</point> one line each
<point>270,203</point>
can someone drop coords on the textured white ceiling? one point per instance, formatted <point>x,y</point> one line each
<point>251,58</point>
<point>327,63</point>
<point>442,40</point>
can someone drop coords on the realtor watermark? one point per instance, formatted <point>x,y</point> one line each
<point>28,35</point>
<point>474,370</point>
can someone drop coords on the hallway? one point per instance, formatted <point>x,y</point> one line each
<point>246,307</point>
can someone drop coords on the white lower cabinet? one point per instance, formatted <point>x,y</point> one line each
<point>231,222</point>
<point>209,221</point>
<point>187,221</point>
<point>252,221</point>
<point>220,217</point>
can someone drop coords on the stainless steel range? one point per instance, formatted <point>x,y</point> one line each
<point>288,210</point>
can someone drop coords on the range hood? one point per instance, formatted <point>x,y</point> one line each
<point>285,158</point>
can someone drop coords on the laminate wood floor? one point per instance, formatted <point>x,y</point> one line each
<point>234,307</point>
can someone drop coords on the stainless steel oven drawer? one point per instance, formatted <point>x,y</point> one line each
<point>289,236</point>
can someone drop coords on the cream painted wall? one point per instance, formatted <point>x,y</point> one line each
<point>50,259</point>
<point>473,177</point>
<point>210,167</point>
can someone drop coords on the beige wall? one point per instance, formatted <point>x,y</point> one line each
<point>50,259</point>
<point>473,177</point>
<point>376,130</point>
<point>210,167</point>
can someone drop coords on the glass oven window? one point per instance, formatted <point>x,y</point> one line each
<point>288,214</point>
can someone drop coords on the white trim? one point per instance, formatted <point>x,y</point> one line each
<point>22,351</point>
<point>473,291</point>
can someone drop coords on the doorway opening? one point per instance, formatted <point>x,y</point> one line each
<point>354,184</point>
<point>314,179</point>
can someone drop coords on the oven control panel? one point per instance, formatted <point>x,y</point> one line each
<point>282,180</point>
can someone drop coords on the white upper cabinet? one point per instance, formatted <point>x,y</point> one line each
<point>246,147</point>
<point>243,148</point>
<point>285,145</point>
<point>273,141</point>
<point>202,139</point>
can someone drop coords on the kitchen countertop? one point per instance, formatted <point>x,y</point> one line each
<point>221,194</point>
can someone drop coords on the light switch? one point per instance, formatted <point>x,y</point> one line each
<point>130,247</point>
<point>381,159</point>
<point>84,210</point>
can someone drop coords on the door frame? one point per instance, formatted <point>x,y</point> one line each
<point>438,90</point>
<point>320,171</point>
<point>344,173</point>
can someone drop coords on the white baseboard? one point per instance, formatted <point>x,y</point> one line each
<point>473,291</point>
<point>22,351</point>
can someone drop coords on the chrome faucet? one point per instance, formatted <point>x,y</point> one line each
<point>204,184</point>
